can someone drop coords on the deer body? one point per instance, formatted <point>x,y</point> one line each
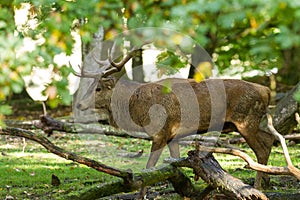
<point>159,113</point>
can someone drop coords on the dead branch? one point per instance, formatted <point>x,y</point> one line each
<point>97,128</point>
<point>207,168</point>
<point>292,137</point>
<point>251,163</point>
<point>48,125</point>
<point>288,170</point>
<point>146,177</point>
<point>293,170</point>
<point>65,154</point>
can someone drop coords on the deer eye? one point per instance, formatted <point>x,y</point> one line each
<point>98,89</point>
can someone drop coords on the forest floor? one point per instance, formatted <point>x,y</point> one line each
<point>26,168</point>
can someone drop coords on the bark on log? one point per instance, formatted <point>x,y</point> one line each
<point>208,168</point>
<point>284,114</point>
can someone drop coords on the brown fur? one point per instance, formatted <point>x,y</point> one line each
<point>188,108</point>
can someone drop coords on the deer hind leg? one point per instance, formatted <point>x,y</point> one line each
<point>262,153</point>
<point>174,148</point>
<point>261,143</point>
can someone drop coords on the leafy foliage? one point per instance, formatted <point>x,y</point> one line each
<point>167,59</point>
<point>297,95</point>
<point>243,35</point>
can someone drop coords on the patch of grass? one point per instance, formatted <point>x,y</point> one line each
<point>27,175</point>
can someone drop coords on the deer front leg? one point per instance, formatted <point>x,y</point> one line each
<point>156,150</point>
<point>157,147</point>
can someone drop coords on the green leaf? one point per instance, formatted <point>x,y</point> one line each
<point>17,87</point>
<point>5,109</point>
<point>65,96</point>
<point>53,103</point>
<point>169,62</point>
<point>297,95</point>
<point>166,87</point>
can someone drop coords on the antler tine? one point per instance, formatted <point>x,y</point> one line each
<point>120,64</point>
<point>108,66</point>
<point>116,67</point>
<point>100,62</point>
<point>84,74</point>
<point>88,74</point>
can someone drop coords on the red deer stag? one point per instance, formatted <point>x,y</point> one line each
<point>188,108</point>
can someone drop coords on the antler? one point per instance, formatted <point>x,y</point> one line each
<point>116,67</point>
<point>108,66</point>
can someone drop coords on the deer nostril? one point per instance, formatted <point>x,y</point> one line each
<point>78,106</point>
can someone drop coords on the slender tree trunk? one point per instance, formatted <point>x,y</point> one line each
<point>137,67</point>
<point>199,56</point>
<point>290,71</point>
<point>87,65</point>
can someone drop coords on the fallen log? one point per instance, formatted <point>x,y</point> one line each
<point>208,168</point>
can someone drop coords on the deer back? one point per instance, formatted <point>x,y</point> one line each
<point>187,106</point>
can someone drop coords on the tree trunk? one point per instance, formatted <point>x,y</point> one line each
<point>137,67</point>
<point>88,64</point>
<point>290,73</point>
<point>284,114</point>
<point>199,56</point>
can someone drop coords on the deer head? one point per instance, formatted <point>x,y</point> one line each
<point>101,79</point>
